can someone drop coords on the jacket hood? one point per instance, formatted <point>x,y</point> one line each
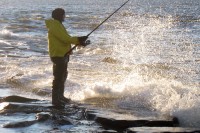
<point>50,22</point>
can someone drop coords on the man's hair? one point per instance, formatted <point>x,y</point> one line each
<point>58,14</point>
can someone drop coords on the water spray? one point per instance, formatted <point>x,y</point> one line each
<point>87,42</point>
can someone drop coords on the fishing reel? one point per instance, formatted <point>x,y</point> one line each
<point>84,44</point>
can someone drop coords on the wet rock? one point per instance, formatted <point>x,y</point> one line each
<point>19,124</point>
<point>64,120</point>
<point>81,118</point>
<point>119,122</point>
<point>90,129</point>
<point>40,117</point>
<point>43,116</point>
<point>17,99</point>
<point>46,113</point>
<point>54,131</point>
<point>7,107</point>
<point>162,130</point>
<point>109,131</point>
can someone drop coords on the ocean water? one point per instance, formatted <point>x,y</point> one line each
<point>146,57</point>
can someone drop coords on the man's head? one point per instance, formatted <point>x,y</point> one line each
<point>59,14</point>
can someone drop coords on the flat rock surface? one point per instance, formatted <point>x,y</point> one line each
<point>120,121</point>
<point>21,114</point>
<point>162,130</point>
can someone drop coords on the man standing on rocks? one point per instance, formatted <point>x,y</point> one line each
<point>59,44</point>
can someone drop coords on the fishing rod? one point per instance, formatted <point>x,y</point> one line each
<point>88,42</point>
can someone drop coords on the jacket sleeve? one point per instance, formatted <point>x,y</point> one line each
<point>59,31</point>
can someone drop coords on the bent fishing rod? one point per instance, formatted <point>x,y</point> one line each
<point>87,42</point>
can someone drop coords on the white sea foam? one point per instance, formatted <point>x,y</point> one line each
<point>165,96</point>
<point>6,34</point>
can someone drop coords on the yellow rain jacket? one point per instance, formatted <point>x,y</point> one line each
<point>59,41</point>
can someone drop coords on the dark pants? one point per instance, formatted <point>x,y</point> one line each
<point>60,73</point>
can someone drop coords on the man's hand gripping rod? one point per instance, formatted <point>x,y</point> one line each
<point>87,41</point>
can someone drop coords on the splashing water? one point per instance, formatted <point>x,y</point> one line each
<point>146,57</point>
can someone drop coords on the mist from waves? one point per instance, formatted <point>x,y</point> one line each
<point>141,59</point>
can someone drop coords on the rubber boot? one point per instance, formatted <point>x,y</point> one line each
<point>62,97</point>
<point>56,99</point>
